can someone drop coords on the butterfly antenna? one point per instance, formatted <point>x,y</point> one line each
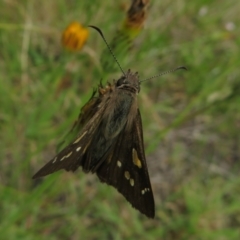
<point>109,48</point>
<point>170,71</point>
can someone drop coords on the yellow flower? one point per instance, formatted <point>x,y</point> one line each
<point>74,36</point>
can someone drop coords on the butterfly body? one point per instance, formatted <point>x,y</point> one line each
<point>110,143</point>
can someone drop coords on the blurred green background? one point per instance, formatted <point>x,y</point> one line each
<point>191,120</point>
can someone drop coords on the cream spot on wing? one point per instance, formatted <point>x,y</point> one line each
<point>143,191</point>
<point>78,149</point>
<point>127,175</point>
<point>54,160</point>
<point>132,182</point>
<point>87,145</point>
<point>68,155</point>
<point>78,139</point>
<point>119,163</point>
<point>135,158</point>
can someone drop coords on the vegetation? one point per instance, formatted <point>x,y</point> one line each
<point>191,120</point>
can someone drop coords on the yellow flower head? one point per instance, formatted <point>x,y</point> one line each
<point>74,36</point>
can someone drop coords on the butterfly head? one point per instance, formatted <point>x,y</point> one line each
<point>129,80</point>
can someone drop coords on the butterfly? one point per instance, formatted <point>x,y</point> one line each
<point>110,142</point>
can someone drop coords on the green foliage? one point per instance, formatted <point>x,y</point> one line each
<point>191,120</point>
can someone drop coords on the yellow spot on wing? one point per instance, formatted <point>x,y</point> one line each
<point>127,175</point>
<point>135,158</point>
<point>132,182</point>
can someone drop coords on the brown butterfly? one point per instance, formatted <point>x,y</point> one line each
<point>110,142</point>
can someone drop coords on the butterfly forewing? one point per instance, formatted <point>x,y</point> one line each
<point>86,113</point>
<point>126,169</point>
<point>71,156</point>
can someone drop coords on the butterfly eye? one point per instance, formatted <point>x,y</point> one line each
<point>121,81</point>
